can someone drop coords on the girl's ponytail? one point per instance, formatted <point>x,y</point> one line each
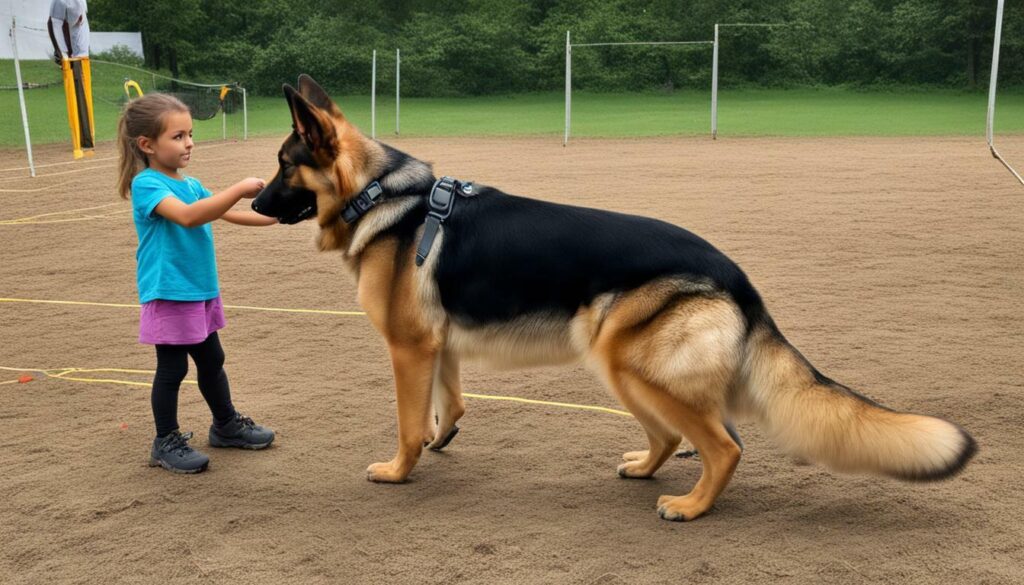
<point>143,116</point>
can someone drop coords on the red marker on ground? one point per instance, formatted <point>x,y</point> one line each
<point>25,379</point>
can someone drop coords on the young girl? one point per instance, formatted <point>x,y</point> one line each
<point>177,275</point>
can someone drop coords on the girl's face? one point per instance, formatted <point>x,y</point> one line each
<point>172,149</point>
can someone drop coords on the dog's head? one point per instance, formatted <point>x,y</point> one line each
<point>322,163</point>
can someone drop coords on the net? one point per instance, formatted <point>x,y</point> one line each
<point>217,108</point>
<point>116,83</point>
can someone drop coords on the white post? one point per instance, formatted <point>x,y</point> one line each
<point>245,117</point>
<point>714,87</point>
<point>373,97</point>
<point>21,98</point>
<point>223,123</point>
<point>990,118</point>
<point>568,87</point>
<point>398,90</point>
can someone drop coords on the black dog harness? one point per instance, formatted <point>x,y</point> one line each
<point>441,201</point>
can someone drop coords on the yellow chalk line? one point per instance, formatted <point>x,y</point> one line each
<point>72,171</point>
<point>29,219</point>
<point>48,221</point>
<point>67,211</point>
<point>81,170</point>
<point>62,374</point>
<point>36,190</point>
<point>57,164</point>
<point>240,307</point>
<point>95,160</point>
<point>548,403</point>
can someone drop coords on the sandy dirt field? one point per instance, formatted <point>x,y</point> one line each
<point>895,265</point>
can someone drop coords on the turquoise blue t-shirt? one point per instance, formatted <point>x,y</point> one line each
<point>174,263</point>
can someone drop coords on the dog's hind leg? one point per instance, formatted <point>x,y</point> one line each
<point>679,364</point>
<point>719,455</point>
<point>447,398</point>
<point>663,438</point>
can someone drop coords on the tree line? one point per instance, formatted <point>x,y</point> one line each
<point>476,47</point>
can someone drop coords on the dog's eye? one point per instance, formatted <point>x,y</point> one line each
<point>288,170</point>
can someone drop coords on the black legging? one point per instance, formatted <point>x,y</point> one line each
<point>171,367</point>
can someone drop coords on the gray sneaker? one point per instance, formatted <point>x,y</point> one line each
<point>173,453</point>
<point>241,432</point>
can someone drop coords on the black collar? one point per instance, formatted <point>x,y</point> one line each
<point>362,203</point>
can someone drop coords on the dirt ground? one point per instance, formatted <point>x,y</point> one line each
<point>895,265</point>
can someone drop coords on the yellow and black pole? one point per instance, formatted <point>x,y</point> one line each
<point>77,76</point>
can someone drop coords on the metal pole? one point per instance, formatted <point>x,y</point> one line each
<point>245,117</point>
<point>21,99</point>
<point>223,123</point>
<point>990,119</point>
<point>373,98</point>
<point>398,90</point>
<point>714,87</point>
<point>568,87</point>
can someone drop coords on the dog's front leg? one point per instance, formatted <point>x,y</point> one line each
<point>414,372</point>
<point>447,397</point>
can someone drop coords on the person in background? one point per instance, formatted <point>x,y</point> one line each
<point>70,18</point>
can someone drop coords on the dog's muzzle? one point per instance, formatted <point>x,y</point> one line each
<point>304,213</point>
<point>301,209</point>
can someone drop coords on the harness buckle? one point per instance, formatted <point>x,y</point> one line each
<point>440,203</point>
<point>362,203</point>
<point>442,198</point>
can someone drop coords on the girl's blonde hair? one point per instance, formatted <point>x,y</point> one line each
<point>143,116</point>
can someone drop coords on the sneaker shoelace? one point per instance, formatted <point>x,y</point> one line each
<point>178,443</point>
<point>245,421</point>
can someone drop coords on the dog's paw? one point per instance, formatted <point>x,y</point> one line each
<point>441,442</point>
<point>634,470</point>
<point>680,508</point>
<point>385,473</point>
<point>635,455</point>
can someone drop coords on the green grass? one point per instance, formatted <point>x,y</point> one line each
<point>759,112</point>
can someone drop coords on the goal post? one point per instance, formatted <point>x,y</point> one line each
<point>715,45</point>
<point>992,82</point>
<point>568,69</point>
<point>373,93</point>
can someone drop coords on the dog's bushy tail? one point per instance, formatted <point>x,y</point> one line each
<point>815,418</point>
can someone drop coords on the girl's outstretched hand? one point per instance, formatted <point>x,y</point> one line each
<point>250,187</point>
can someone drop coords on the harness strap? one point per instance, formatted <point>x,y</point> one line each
<point>441,201</point>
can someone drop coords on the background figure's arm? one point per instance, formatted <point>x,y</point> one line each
<point>57,53</point>
<point>67,38</point>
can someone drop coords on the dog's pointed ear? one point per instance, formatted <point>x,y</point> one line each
<point>313,125</point>
<point>317,96</point>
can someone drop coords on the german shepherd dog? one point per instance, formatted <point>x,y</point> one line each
<point>670,324</point>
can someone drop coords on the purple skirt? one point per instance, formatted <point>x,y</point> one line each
<point>180,322</point>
